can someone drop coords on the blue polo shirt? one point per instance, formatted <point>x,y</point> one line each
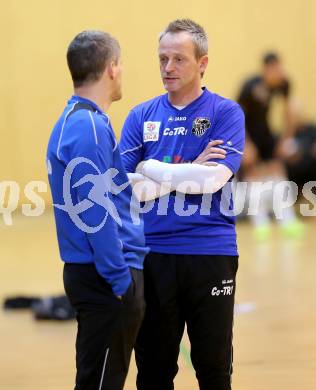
<point>158,130</point>
<point>91,195</point>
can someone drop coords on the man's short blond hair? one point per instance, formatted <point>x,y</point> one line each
<point>197,32</point>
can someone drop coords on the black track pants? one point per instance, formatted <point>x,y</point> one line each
<point>197,291</point>
<point>107,326</point>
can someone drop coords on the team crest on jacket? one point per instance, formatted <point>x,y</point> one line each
<point>200,125</point>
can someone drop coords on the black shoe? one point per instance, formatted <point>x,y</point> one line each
<point>20,302</point>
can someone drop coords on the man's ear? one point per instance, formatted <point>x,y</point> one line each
<point>111,70</point>
<point>203,63</point>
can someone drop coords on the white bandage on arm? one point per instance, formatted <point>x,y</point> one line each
<point>187,178</point>
<point>146,189</point>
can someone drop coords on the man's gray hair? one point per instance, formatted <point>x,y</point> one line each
<point>199,36</point>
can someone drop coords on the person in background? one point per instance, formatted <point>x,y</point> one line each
<point>262,161</point>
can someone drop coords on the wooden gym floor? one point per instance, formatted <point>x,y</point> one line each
<point>275,323</point>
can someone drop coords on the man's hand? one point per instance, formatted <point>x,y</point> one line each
<point>210,152</point>
<point>250,158</point>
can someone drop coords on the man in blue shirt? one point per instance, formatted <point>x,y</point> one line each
<point>186,145</point>
<point>102,249</point>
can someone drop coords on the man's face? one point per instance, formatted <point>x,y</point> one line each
<point>274,74</point>
<point>117,68</point>
<point>180,69</point>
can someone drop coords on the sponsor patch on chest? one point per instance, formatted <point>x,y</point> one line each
<point>151,131</point>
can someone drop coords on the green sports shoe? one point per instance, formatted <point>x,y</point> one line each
<point>262,232</point>
<point>293,229</point>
